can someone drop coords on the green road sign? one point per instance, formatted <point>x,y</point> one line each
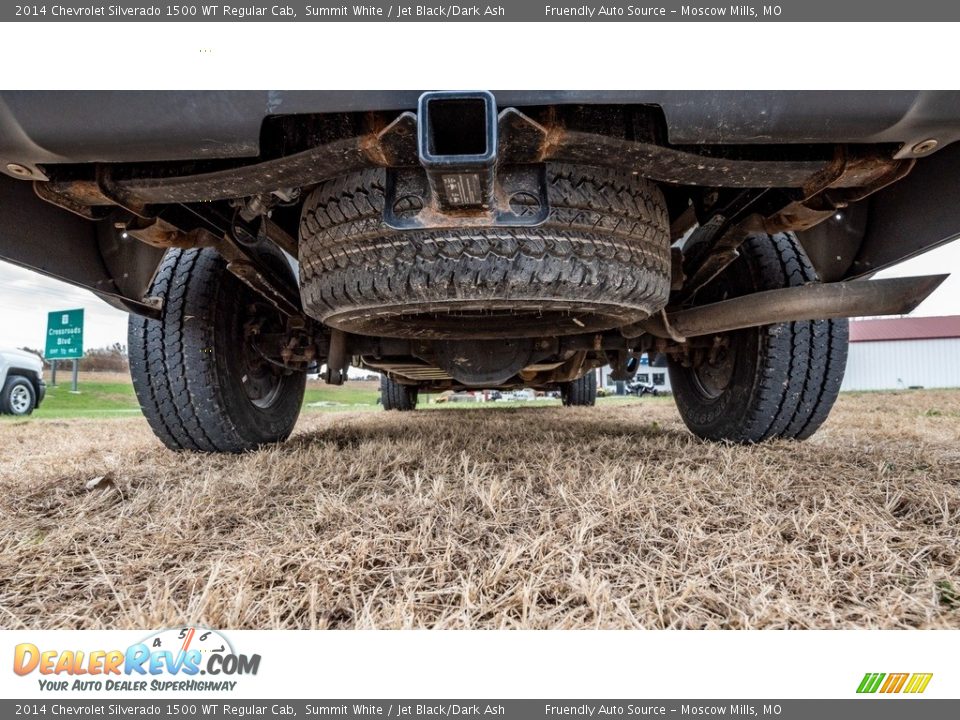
<point>64,335</point>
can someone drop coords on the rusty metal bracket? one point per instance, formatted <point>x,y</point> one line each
<point>658,325</point>
<point>260,280</point>
<point>722,251</point>
<point>490,177</point>
<point>519,199</point>
<point>848,178</point>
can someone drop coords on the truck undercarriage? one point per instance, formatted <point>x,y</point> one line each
<point>463,241</point>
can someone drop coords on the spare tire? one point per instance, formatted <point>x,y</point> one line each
<point>601,260</point>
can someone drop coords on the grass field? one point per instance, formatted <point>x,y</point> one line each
<point>104,395</point>
<point>534,517</point>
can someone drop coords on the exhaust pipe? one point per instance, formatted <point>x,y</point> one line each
<point>893,296</point>
<point>457,146</point>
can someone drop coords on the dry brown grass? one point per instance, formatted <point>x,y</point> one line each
<point>489,518</point>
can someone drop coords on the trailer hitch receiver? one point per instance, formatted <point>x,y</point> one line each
<point>457,145</point>
<point>463,179</point>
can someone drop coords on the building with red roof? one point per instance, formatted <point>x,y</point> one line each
<point>906,352</point>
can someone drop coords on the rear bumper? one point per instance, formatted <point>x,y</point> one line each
<point>38,127</point>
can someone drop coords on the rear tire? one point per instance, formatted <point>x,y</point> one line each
<point>773,381</point>
<point>395,396</point>
<point>200,383</point>
<point>582,391</point>
<point>18,396</point>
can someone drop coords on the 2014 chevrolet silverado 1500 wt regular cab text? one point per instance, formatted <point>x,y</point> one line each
<point>466,240</point>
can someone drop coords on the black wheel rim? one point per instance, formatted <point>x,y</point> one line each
<point>262,381</point>
<point>713,375</point>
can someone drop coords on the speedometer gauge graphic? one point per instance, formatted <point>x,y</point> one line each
<point>191,637</point>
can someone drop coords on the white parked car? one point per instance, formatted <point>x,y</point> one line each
<point>21,382</point>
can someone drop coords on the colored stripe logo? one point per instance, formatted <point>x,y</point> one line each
<point>913,683</point>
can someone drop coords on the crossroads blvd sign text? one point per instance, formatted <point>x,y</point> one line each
<point>64,335</point>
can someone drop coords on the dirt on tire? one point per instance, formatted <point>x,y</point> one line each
<point>601,260</point>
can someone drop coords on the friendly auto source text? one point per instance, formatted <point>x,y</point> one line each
<point>735,709</point>
<point>638,11</point>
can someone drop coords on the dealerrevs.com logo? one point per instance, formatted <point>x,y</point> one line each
<point>168,660</point>
<point>893,683</point>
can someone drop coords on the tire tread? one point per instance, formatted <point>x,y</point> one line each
<point>175,375</point>
<point>606,240</point>
<point>581,392</point>
<point>800,365</point>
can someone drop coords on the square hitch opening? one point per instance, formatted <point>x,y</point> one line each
<point>462,179</point>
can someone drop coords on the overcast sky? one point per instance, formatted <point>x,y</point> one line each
<point>26,298</point>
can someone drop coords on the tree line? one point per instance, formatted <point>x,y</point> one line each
<point>112,358</point>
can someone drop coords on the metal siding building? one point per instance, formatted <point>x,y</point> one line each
<point>898,353</point>
<point>650,371</point>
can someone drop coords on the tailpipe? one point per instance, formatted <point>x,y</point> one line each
<point>816,301</point>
